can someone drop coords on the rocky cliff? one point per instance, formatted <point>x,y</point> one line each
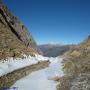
<point>76,65</point>
<point>15,39</point>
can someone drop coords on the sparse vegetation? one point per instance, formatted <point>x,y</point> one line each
<point>14,40</point>
<point>76,64</point>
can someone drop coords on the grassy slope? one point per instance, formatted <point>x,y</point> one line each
<point>15,39</point>
<point>76,65</point>
<point>10,45</point>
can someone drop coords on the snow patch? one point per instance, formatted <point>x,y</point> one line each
<point>11,64</point>
<point>42,79</point>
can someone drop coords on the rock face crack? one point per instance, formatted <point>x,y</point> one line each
<point>11,28</point>
<point>14,36</point>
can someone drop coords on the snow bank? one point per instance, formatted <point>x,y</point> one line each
<point>41,58</point>
<point>42,79</point>
<point>11,64</point>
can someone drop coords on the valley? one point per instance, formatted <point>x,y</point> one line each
<point>30,63</point>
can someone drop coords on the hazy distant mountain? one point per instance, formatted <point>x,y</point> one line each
<point>53,50</point>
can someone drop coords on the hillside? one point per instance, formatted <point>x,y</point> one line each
<point>15,39</point>
<point>53,50</point>
<point>76,65</point>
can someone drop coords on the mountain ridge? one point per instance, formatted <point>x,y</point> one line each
<point>54,50</point>
<point>15,39</point>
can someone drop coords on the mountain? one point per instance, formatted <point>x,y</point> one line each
<point>76,64</point>
<point>15,39</point>
<point>82,50</point>
<point>53,50</point>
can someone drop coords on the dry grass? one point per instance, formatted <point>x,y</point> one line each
<point>10,45</point>
<point>75,64</point>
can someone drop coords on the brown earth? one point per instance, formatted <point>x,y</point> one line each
<point>76,65</point>
<point>15,39</point>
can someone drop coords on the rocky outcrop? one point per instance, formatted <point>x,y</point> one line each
<point>14,36</point>
<point>76,65</point>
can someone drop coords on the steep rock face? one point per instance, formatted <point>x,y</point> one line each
<point>14,37</point>
<point>76,65</point>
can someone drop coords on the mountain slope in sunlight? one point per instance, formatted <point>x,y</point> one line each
<point>15,39</point>
<point>76,65</point>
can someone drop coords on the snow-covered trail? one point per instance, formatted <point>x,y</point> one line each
<point>38,80</point>
<point>11,64</point>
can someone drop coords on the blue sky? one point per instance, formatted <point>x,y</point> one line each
<point>57,21</point>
